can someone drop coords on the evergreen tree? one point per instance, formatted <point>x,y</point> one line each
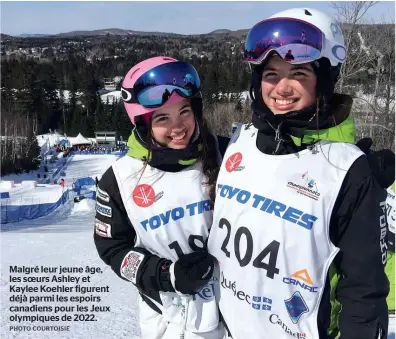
<point>99,114</point>
<point>30,161</point>
<point>125,123</point>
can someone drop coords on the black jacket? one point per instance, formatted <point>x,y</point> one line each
<point>355,227</point>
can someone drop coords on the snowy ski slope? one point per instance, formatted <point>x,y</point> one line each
<point>65,238</point>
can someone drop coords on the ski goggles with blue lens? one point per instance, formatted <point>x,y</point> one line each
<point>153,88</point>
<point>295,41</point>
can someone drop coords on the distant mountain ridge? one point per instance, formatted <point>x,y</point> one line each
<point>128,32</point>
<point>122,32</point>
<point>112,31</point>
<point>33,35</point>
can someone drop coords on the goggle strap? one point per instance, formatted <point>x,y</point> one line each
<point>129,92</point>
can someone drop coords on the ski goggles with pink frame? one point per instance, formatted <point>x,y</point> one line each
<point>294,40</point>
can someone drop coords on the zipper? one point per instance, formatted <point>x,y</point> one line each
<point>278,138</point>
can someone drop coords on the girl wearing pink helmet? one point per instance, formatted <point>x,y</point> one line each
<point>154,206</point>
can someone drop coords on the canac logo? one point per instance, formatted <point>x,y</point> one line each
<point>233,162</point>
<point>305,185</point>
<point>301,278</point>
<point>144,195</point>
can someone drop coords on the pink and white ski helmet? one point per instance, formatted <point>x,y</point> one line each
<point>135,109</point>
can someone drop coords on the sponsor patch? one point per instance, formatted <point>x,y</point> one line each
<point>267,205</point>
<point>296,307</point>
<point>102,229</point>
<point>256,302</point>
<point>233,162</point>
<point>274,319</point>
<point>260,303</point>
<point>158,196</point>
<point>302,279</point>
<point>102,195</point>
<point>130,265</point>
<point>143,195</point>
<point>305,185</point>
<point>103,209</point>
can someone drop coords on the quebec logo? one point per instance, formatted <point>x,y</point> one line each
<point>296,307</point>
<point>261,303</point>
<point>233,162</point>
<point>302,279</point>
<point>305,185</point>
<point>257,302</point>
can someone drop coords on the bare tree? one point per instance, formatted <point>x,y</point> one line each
<point>351,14</point>
<point>377,104</point>
<point>384,90</point>
<point>371,55</point>
<point>221,116</point>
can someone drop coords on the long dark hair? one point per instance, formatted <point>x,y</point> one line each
<point>209,157</point>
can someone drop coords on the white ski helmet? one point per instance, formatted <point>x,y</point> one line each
<point>308,33</point>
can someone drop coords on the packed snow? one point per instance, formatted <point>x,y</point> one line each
<point>22,194</point>
<point>65,238</point>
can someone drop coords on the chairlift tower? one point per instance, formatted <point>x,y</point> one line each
<point>109,84</point>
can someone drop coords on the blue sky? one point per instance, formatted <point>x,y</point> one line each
<point>187,17</point>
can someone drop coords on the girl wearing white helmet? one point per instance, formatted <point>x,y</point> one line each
<point>299,218</point>
<point>154,206</point>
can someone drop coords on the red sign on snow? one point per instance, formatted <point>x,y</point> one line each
<point>143,195</point>
<point>233,162</point>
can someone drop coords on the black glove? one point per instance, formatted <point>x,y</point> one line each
<point>188,274</point>
<point>382,162</point>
